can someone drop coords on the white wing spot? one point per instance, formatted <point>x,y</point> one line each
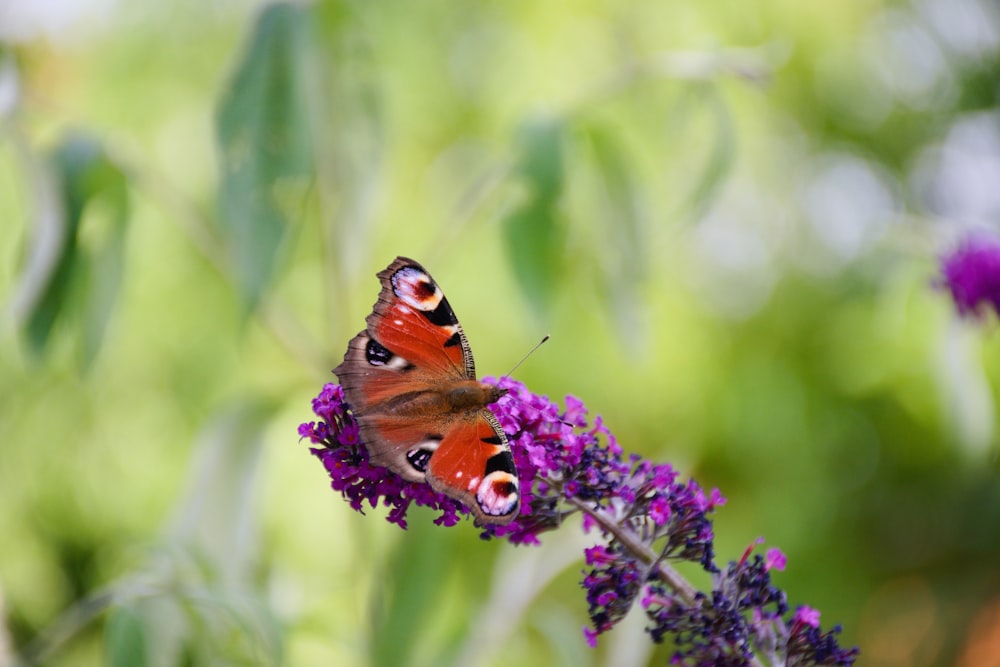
<point>397,363</point>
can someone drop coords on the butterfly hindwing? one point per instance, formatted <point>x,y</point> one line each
<point>474,465</point>
<point>409,378</point>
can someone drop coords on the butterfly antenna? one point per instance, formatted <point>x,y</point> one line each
<point>530,352</point>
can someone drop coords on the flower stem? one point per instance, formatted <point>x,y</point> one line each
<point>645,553</point>
<point>639,549</point>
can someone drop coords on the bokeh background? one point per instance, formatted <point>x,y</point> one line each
<point>727,215</point>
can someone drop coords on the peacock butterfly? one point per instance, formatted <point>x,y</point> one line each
<point>410,381</point>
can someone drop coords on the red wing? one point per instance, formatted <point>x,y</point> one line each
<point>413,319</point>
<point>413,342</point>
<point>474,465</point>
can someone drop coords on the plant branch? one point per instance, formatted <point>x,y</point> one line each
<point>639,549</point>
<point>627,537</point>
<point>753,65</point>
<point>65,627</point>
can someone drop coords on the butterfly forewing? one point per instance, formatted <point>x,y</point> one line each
<point>413,318</point>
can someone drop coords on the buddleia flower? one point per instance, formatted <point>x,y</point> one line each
<point>648,516</point>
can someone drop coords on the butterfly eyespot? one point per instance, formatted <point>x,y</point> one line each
<point>376,354</point>
<point>416,290</point>
<point>379,355</point>
<point>419,458</point>
<point>498,494</point>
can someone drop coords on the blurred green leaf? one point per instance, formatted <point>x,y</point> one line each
<point>216,516</point>
<point>412,583</point>
<point>350,149</point>
<point>540,142</point>
<point>561,631</point>
<point>622,197</point>
<point>534,236</point>
<point>721,156</point>
<point>125,639</point>
<point>623,260</point>
<point>265,145</point>
<point>84,265</point>
<point>205,605</point>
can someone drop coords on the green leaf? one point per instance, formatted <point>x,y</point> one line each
<point>76,260</point>
<point>623,217</point>
<point>721,156</point>
<point>125,639</point>
<point>217,516</point>
<point>622,256</point>
<point>413,581</point>
<point>353,141</point>
<point>534,235</point>
<point>540,142</point>
<point>265,145</point>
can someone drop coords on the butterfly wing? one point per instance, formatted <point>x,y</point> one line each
<point>412,345</point>
<point>474,465</point>
<point>413,318</point>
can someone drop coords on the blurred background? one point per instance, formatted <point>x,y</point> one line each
<point>727,215</point>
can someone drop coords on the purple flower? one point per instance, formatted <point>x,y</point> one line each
<point>744,617</point>
<point>972,274</point>
<point>647,517</point>
<point>612,585</point>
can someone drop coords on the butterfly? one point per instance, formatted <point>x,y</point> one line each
<point>410,381</point>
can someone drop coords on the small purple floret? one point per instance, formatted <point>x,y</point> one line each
<point>775,560</point>
<point>807,616</point>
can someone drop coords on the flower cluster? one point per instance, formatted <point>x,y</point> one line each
<point>743,619</point>
<point>646,515</point>
<point>971,273</point>
<point>615,579</point>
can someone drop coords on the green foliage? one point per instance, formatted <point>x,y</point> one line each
<point>125,639</point>
<point>535,236</point>
<point>404,601</point>
<point>622,263</point>
<point>265,145</point>
<point>72,268</point>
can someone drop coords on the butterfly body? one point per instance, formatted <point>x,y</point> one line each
<point>410,380</point>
